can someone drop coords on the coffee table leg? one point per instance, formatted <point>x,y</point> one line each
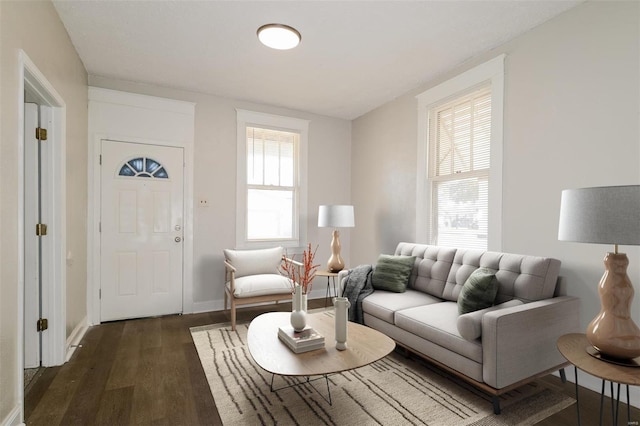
<point>308,381</point>
<point>575,370</point>
<point>326,378</point>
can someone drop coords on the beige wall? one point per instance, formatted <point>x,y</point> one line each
<point>572,104</point>
<point>215,175</point>
<point>34,27</point>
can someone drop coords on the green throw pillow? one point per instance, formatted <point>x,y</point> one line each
<point>478,292</point>
<point>392,273</point>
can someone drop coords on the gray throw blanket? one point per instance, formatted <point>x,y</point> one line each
<point>357,287</point>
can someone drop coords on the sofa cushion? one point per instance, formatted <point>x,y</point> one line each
<point>478,292</point>
<point>253,262</point>
<point>392,273</point>
<point>437,323</point>
<point>432,266</point>
<point>470,324</point>
<point>527,278</point>
<point>383,304</point>
<point>261,284</point>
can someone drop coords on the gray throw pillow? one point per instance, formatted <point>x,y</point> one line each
<point>392,273</point>
<point>478,292</point>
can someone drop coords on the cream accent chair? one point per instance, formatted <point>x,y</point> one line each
<point>253,276</point>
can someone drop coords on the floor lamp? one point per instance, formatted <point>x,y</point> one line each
<point>607,215</point>
<point>335,216</point>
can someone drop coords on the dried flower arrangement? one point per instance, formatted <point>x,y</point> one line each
<point>301,273</point>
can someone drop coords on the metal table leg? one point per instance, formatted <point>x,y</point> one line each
<point>575,369</point>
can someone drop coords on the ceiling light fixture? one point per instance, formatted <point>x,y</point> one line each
<point>279,36</point>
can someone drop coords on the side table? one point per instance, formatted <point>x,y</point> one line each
<point>331,276</point>
<point>573,348</point>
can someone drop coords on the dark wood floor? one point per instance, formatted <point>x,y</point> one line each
<point>147,371</point>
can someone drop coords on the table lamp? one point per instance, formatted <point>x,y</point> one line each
<point>335,216</point>
<point>607,215</point>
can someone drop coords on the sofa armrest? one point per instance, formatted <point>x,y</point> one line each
<point>229,275</point>
<point>520,342</point>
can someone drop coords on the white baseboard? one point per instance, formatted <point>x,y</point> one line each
<point>13,418</point>
<point>73,341</point>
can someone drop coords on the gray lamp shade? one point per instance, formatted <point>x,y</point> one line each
<point>335,216</point>
<point>602,215</point>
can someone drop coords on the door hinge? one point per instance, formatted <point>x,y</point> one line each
<point>99,293</point>
<point>99,226</point>
<point>100,160</point>
<point>42,324</point>
<point>41,229</point>
<point>41,134</point>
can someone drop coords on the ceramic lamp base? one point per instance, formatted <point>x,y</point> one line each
<point>613,332</point>
<point>335,263</point>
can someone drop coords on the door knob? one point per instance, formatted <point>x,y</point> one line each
<point>178,239</point>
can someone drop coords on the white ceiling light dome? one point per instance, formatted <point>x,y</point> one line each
<point>279,36</point>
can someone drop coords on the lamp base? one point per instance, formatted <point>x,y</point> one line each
<point>613,332</point>
<point>633,362</point>
<point>335,263</point>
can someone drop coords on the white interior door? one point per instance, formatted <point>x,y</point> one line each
<point>31,244</point>
<point>141,230</point>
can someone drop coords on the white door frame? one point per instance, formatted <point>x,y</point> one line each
<point>54,195</point>
<point>133,104</point>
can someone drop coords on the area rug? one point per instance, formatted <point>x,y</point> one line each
<point>393,391</point>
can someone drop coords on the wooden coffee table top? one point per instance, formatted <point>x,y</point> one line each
<point>364,346</point>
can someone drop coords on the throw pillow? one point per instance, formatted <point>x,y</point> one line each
<point>392,273</point>
<point>478,292</point>
<point>255,262</point>
<point>470,324</point>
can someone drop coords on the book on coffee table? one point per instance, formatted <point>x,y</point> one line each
<point>301,341</point>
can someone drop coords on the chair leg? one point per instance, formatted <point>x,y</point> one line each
<point>226,298</point>
<point>233,315</point>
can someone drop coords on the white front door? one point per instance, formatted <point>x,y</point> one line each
<point>141,230</point>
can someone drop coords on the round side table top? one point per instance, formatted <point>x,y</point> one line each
<point>325,273</point>
<point>573,348</point>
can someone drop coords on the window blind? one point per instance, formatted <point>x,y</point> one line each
<point>459,152</point>
<point>271,189</point>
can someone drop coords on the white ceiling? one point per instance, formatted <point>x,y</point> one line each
<point>354,55</point>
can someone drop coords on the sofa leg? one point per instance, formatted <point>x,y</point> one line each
<point>496,404</point>
<point>563,376</point>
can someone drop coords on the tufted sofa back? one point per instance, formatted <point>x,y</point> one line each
<point>442,271</point>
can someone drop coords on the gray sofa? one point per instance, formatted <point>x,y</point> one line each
<point>496,349</point>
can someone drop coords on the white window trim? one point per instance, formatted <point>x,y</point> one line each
<point>258,119</point>
<point>492,71</point>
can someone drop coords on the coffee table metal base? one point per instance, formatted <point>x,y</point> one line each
<point>308,381</point>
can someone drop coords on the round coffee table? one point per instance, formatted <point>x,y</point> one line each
<point>364,346</point>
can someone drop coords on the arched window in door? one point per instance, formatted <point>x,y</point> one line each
<point>143,167</point>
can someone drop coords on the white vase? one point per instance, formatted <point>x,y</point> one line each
<point>341,309</point>
<point>299,312</point>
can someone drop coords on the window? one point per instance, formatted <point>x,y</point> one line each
<point>271,180</point>
<point>460,147</point>
<point>143,167</point>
